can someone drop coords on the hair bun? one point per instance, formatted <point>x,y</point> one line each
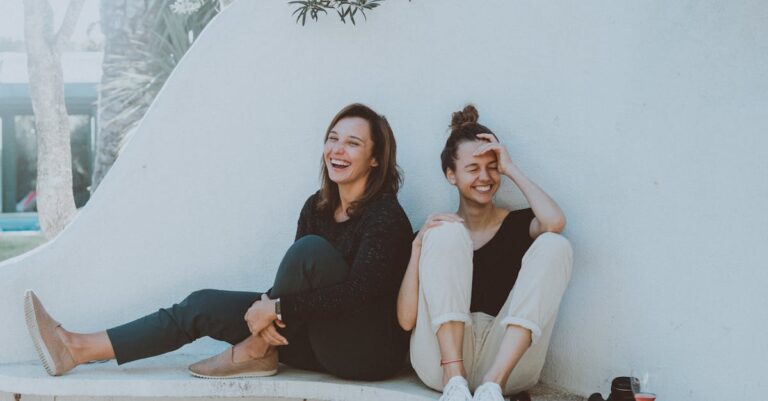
<point>466,116</point>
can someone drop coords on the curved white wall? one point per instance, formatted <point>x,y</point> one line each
<point>645,121</point>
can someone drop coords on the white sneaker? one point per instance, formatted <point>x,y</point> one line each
<point>457,389</point>
<point>489,391</point>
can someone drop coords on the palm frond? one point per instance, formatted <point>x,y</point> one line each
<point>140,76</point>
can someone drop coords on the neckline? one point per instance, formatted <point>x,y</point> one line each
<point>496,234</point>
<point>339,223</point>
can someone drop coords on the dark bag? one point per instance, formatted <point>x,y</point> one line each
<point>621,390</point>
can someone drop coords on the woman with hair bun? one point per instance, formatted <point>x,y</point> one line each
<point>484,284</point>
<point>331,307</point>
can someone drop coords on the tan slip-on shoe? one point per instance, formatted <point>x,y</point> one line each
<point>223,366</point>
<point>50,348</point>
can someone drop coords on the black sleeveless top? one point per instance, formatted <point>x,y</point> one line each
<point>497,263</point>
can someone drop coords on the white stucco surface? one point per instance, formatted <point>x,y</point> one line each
<point>167,376</point>
<point>646,121</point>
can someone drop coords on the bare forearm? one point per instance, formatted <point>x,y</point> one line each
<point>408,297</point>
<point>548,214</point>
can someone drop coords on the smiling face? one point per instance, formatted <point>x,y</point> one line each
<point>348,152</point>
<point>476,177</point>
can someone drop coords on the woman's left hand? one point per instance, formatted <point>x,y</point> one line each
<point>271,336</point>
<point>506,165</point>
<point>261,314</point>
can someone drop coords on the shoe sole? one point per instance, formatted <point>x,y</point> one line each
<point>34,332</point>
<point>237,376</point>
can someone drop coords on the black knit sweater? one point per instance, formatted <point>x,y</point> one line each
<point>376,244</point>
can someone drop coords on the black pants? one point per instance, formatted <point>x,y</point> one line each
<point>367,346</point>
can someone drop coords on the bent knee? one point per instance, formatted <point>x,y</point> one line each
<point>556,249</point>
<point>307,246</point>
<point>554,243</point>
<point>309,242</point>
<point>448,233</point>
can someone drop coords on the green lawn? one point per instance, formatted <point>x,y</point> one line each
<point>16,244</point>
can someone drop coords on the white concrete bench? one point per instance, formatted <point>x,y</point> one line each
<point>166,377</point>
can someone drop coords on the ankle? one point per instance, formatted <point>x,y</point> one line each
<point>254,348</point>
<point>243,352</point>
<point>453,370</point>
<point>73,343</point>
<point>258,352</point>
<point>494,378</point>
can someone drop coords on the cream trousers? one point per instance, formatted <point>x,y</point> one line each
<point>445,287</point>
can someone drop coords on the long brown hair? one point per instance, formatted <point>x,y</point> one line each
<point>383,178</point>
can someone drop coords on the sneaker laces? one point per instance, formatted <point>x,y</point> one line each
<point>456,389</point>
<point>488,392</point>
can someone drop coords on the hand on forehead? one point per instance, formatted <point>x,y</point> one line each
<point>466,150</point>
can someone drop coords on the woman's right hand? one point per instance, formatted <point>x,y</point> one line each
<point>435,220</point>
<point>408,296</point>
<point>260,315</point>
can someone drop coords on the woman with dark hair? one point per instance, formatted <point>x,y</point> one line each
<point>483,285</point>
<point>332,305</point>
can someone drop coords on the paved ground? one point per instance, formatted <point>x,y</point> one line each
<point>544,393</point>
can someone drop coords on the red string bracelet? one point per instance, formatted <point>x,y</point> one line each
<point>453,361</point>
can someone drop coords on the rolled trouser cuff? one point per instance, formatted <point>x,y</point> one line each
<point>524,323</point>
<point>450,317</point>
